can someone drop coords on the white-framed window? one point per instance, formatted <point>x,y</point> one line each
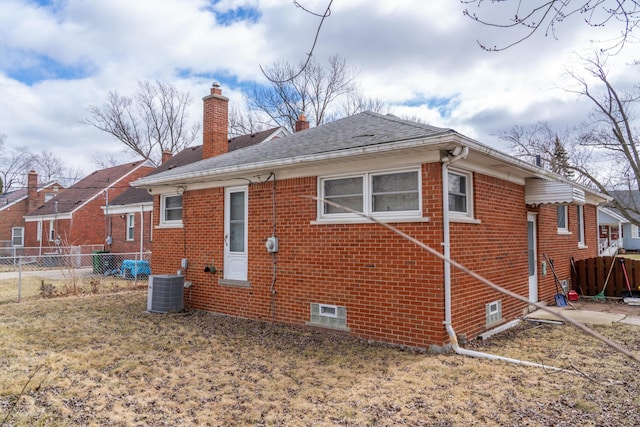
<point>171,209</point>
<point>328,310</point>
<point>580,218</point>
<point>17,236</point>
<point>52,231</point>
<point>382,194</point>
<point>634,232</point>
<point>131,224</point>
<point>49,196</point>
<point>460,194</point>
<point>563,219</point>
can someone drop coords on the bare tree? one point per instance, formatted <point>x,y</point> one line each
<point>546,15</point>
<point>557,151</point>
<point>105,160</point>
<point>245,122</point>
<point>153,121</point>
<point>603,150</point>
<point>612,133</point>
<point>322,93</point>
<point>52,168</point>
<point>14,164</point>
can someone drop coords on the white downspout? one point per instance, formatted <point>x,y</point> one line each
<point>447,272</point>
<point>141,230</point>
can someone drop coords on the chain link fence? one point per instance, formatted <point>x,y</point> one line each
<point>69,271</point>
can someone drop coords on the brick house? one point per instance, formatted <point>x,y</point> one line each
<point>281,254</point>
<point>14,205</point>
<point>75,216</point>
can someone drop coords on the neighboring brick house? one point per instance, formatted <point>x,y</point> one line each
<point>14,205</point>
<point>282,255</point>
<point>75,217</point>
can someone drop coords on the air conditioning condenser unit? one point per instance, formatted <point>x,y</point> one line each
<point>166,294</point>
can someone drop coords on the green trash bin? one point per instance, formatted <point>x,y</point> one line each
<point>98,260</point>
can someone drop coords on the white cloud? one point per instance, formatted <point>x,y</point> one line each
<point>415,55</point>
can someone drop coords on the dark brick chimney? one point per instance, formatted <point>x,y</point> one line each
<point>166,155</point>
<point>302,123</point>
<point>32,190</point>
<point>215,122</point>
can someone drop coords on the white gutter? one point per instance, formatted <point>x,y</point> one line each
<point>447,272</point>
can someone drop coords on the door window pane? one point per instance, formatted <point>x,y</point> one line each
<point>236,221</point>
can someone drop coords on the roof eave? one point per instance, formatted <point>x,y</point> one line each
<point>445,138</point>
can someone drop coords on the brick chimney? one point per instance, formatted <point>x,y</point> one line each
<point>32,190</point>
<point>302,123</point>
<point>215,122</point>
<point>166,155</point>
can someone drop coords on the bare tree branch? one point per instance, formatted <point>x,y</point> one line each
<point>322,93</point>
<point>153,121</point>
<point>546,15</point>
<point>322,17</point>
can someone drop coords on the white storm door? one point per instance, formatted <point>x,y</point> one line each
<point>532,257</point>
<point>235,233</point>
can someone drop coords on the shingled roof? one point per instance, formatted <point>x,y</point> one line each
<point>366,129</point>
<point>11,197</point>
<point>85,190</point>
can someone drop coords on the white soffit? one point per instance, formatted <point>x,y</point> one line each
<point>539,191</point>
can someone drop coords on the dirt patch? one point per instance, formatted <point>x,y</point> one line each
<point>102,360</point>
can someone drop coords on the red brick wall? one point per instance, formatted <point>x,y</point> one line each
<point>496,248</point>
<point>120,244</point>
<point>12,216</point>
<point>561,247</point>
<point>88,225</point>
<point>392,289</point>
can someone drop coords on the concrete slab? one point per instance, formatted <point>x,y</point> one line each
<point>583,316</point>
<point>631,320</point>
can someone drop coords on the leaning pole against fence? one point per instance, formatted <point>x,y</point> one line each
<point>19,278</point>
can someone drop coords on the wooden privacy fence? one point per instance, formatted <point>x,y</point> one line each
<point>592,274</point>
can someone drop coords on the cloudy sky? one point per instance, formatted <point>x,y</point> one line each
<point>422,58</point>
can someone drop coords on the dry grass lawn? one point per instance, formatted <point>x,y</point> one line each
<point>43,286</point>
<point>102,360</point>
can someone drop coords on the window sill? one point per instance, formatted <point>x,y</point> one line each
<point>334,328</point>
<point>234,283</point>
<point>160,226</point>
<point>463,219</point>
<point>564,233</point>
<point>360,220</point>
<point>582,246</point>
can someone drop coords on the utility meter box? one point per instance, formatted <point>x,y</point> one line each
<point>272,244</point>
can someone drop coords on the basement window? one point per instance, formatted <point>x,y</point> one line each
<point>328,316</point>
<point>494,313</point>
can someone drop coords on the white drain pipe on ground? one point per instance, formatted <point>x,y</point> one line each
<point>458,154</point>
